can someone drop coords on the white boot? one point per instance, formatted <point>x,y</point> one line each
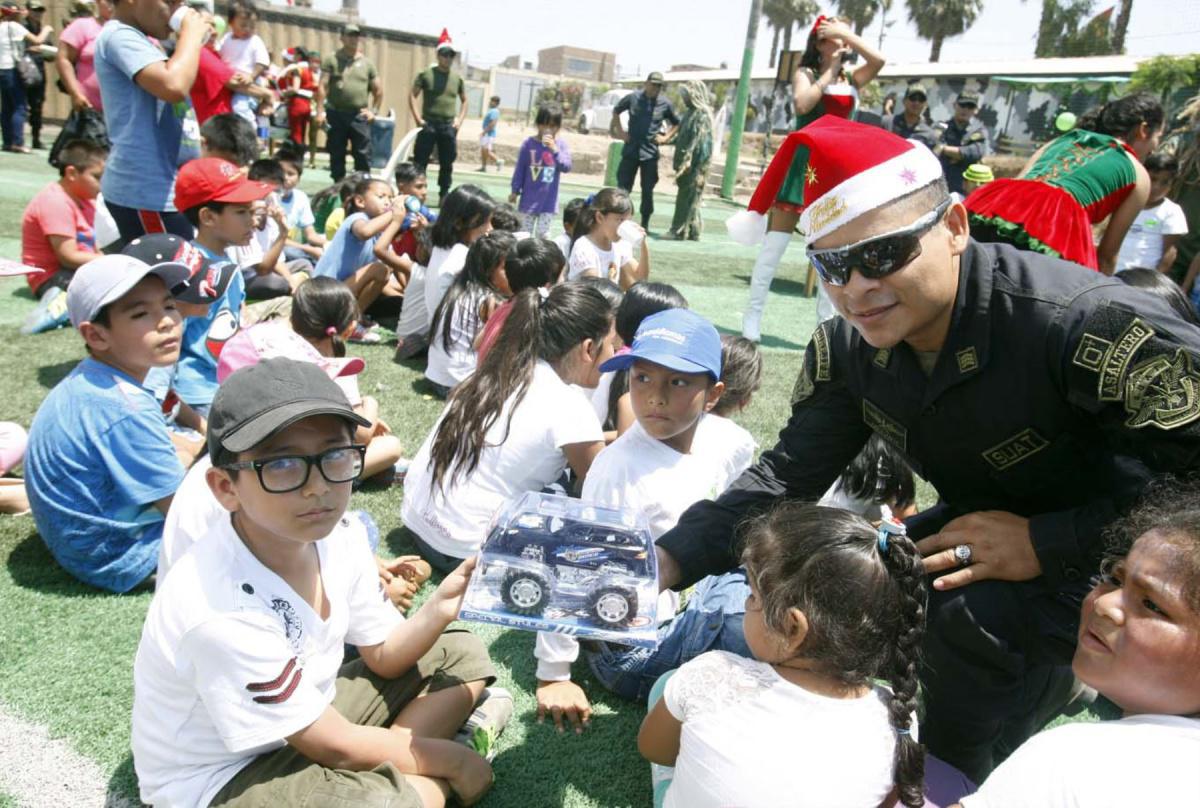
<point>769,257</point>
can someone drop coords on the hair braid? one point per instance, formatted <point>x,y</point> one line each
<point>903,562</point>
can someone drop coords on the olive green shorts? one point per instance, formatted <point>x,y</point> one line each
<point>285,777</point>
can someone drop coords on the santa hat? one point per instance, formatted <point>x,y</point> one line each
<point>851,169</point>
<point>817,24</point>
<point>445,42</point>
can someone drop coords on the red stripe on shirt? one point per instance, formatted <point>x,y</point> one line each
<point>276,683</point>
<point>284,694</point>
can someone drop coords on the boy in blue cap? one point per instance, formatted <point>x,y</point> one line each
<point>674,380</point>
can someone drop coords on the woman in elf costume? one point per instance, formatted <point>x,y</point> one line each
<point>1090,174</point>
<point>298,85</point>
<point>822,85</point>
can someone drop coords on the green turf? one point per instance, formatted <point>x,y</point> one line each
<point>68,649</point>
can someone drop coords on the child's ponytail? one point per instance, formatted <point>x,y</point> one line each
<point>543,324</point>
<point>324,307</point>
<point>903,562</point>
<point>606,200</point>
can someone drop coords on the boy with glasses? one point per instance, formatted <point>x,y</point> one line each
<point>962,140</point>
<point>241,697</point>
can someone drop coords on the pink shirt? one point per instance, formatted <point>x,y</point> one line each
<point>81,35</point>
<point>53,212</point>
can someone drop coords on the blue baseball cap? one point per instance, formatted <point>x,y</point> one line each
<point>678,339</point>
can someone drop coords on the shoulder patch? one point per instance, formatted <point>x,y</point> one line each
<point>885,426</point>
<point>967,359</point>
<point>804,383</point>
<point>1117,358</point>
<point>821,372</point>
<point>882,357</point>
<point>1164,392</point>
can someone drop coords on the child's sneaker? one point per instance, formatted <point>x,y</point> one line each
<point>51,313</point>
<point>485,725</point>
<point>366,335</point>
<point>400,470</point>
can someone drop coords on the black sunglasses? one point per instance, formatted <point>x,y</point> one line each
<point>916,97</point>
<point>279,475</point>
<point>877,256</point>
<point>966,104</point>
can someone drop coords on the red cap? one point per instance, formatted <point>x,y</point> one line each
<point>211,179</point>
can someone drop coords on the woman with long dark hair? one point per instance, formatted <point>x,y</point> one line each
<point>822,85</point>
<point>1073,182</point>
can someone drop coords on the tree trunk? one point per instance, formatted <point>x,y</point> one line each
<point>935,51</point>
<point>787,38</point>
<point>774,46</point>
<point>1118,38</point>
<point>1045,37</point>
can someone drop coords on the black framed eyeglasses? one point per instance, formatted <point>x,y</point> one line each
<point>877,256</point>
<point>279,475</point>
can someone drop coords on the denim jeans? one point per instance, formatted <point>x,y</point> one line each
<point>712,621</point>
<point>13,108</point>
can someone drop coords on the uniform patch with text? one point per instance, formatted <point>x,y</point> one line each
<point>1009,453</point>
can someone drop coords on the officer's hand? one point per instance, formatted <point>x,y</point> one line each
<point>1001,549</point>
<point>563,700</point>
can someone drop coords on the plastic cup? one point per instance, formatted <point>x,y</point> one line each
<point>629,231</point>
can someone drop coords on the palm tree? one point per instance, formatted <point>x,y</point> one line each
<point>1118,37</point>
<point>937,20</point>
<point>861,13</point>
<point>782,16</point>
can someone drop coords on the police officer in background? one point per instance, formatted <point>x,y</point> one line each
<point>1037,397</point>
<point>962,140</point>
<point>648,108</point>
<point>910,122</point>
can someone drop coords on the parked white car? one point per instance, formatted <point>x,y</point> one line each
<point>599,117</point>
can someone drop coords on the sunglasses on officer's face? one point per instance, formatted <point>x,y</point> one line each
<point>877,256</point>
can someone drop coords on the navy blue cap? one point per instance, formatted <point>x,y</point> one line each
<point>678,339</point>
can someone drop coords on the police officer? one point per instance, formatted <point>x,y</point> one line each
<point>1038,398</point>
<point>910,122</point>
<point>647,109</point>
<point>962,140</point>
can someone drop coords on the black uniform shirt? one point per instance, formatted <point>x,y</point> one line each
<point>646,116</point>
<point>1057,395</point>
<point>922,132</point>
<point>972,139</point>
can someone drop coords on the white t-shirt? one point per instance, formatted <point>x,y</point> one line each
<point>563,240</point>
<point>455,520</point>
<point>414,316</point>
<point>444,266</point>
<point>1143,244</point>
<point>598,395</point>
<point>646,475</point>
<point>449,366</point>
<point>12,43</point>
<point>725,441</point>
<point>751,738</point>
<point>587,258</point>
<point>232,660</point>
<point>244,54</point>
<point>1140,760</point>
<point>260,241</point>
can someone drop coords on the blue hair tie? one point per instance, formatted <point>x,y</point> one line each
<point>590,199</point>
<point>889,526</point>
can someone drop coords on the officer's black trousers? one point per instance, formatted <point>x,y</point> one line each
<point>443,136</point>
<point>626,169</point>
<point>345,126</point>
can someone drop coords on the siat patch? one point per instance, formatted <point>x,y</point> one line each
<point>1163,392</point>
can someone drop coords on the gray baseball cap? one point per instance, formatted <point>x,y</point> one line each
<point>107,279</point>
<point>254,403</point>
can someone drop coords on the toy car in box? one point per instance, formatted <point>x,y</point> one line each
<point>552,563</point>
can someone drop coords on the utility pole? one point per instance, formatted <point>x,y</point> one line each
<point>733,151</point>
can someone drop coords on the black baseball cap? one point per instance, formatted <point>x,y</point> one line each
<point>916,89</point>
<point>257,401</point>
<point>654,78</point>
<point>207,279</point>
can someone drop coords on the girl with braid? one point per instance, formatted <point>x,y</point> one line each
<point>835,605</point>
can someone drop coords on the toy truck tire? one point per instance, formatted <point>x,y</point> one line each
<point>525,592</point>
<point>613,606</point>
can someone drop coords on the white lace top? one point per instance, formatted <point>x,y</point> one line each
<point>751,738</point>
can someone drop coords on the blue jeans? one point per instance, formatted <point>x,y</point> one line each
<point>13,108</point>
<point>712,621</point>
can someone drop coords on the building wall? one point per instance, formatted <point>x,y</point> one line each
<point>579,63</point>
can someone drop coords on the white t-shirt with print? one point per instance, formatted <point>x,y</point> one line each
<point>646,475</point>
<point>587,258</point>
<point>232,661</point>
<point>1143,244</point>
<point>526,457</point>
<point>1152,760</point>
<point>751,738</point>
<point>448,366</point>
<point>244,54</point>
<point>444,265</point>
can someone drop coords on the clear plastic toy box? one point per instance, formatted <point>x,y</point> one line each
<point>553,563</point>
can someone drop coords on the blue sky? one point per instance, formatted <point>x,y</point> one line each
<point>654,34</point>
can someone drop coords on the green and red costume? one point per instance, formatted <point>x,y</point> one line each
<point>837,99</point>
<point>1080,179</point>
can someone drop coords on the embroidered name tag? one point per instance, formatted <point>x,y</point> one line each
<point>1023,445</point>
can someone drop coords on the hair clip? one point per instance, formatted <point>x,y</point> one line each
<point>329,332</point>
<point>889,526</point>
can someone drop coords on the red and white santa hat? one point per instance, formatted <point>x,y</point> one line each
<point>445,42</point>
<point>852,168</point>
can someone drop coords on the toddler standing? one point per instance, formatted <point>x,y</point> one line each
<point>535,178</point>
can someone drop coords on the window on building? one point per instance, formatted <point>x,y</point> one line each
<point>581,67</point>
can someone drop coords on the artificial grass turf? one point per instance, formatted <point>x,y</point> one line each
<point>66,650</point>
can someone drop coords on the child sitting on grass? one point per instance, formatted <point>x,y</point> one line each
<point>303,239</point>
<point>741,373</point>
<point>1139,646</point>
<point>228,137</point>
<point>265,271</point>
<point>475,294</point>
<point>597,248</point>
<point>410,182</point>
<point>674,379</point>
<point>835,604</point>
<point>542,159</point>
<point>514,425</point>
<point>569,217</point>
<point>100,468</point>
<point>531,263</point>
<point>240,692</point>
<point>350,257</point>
<point>218,201</point>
